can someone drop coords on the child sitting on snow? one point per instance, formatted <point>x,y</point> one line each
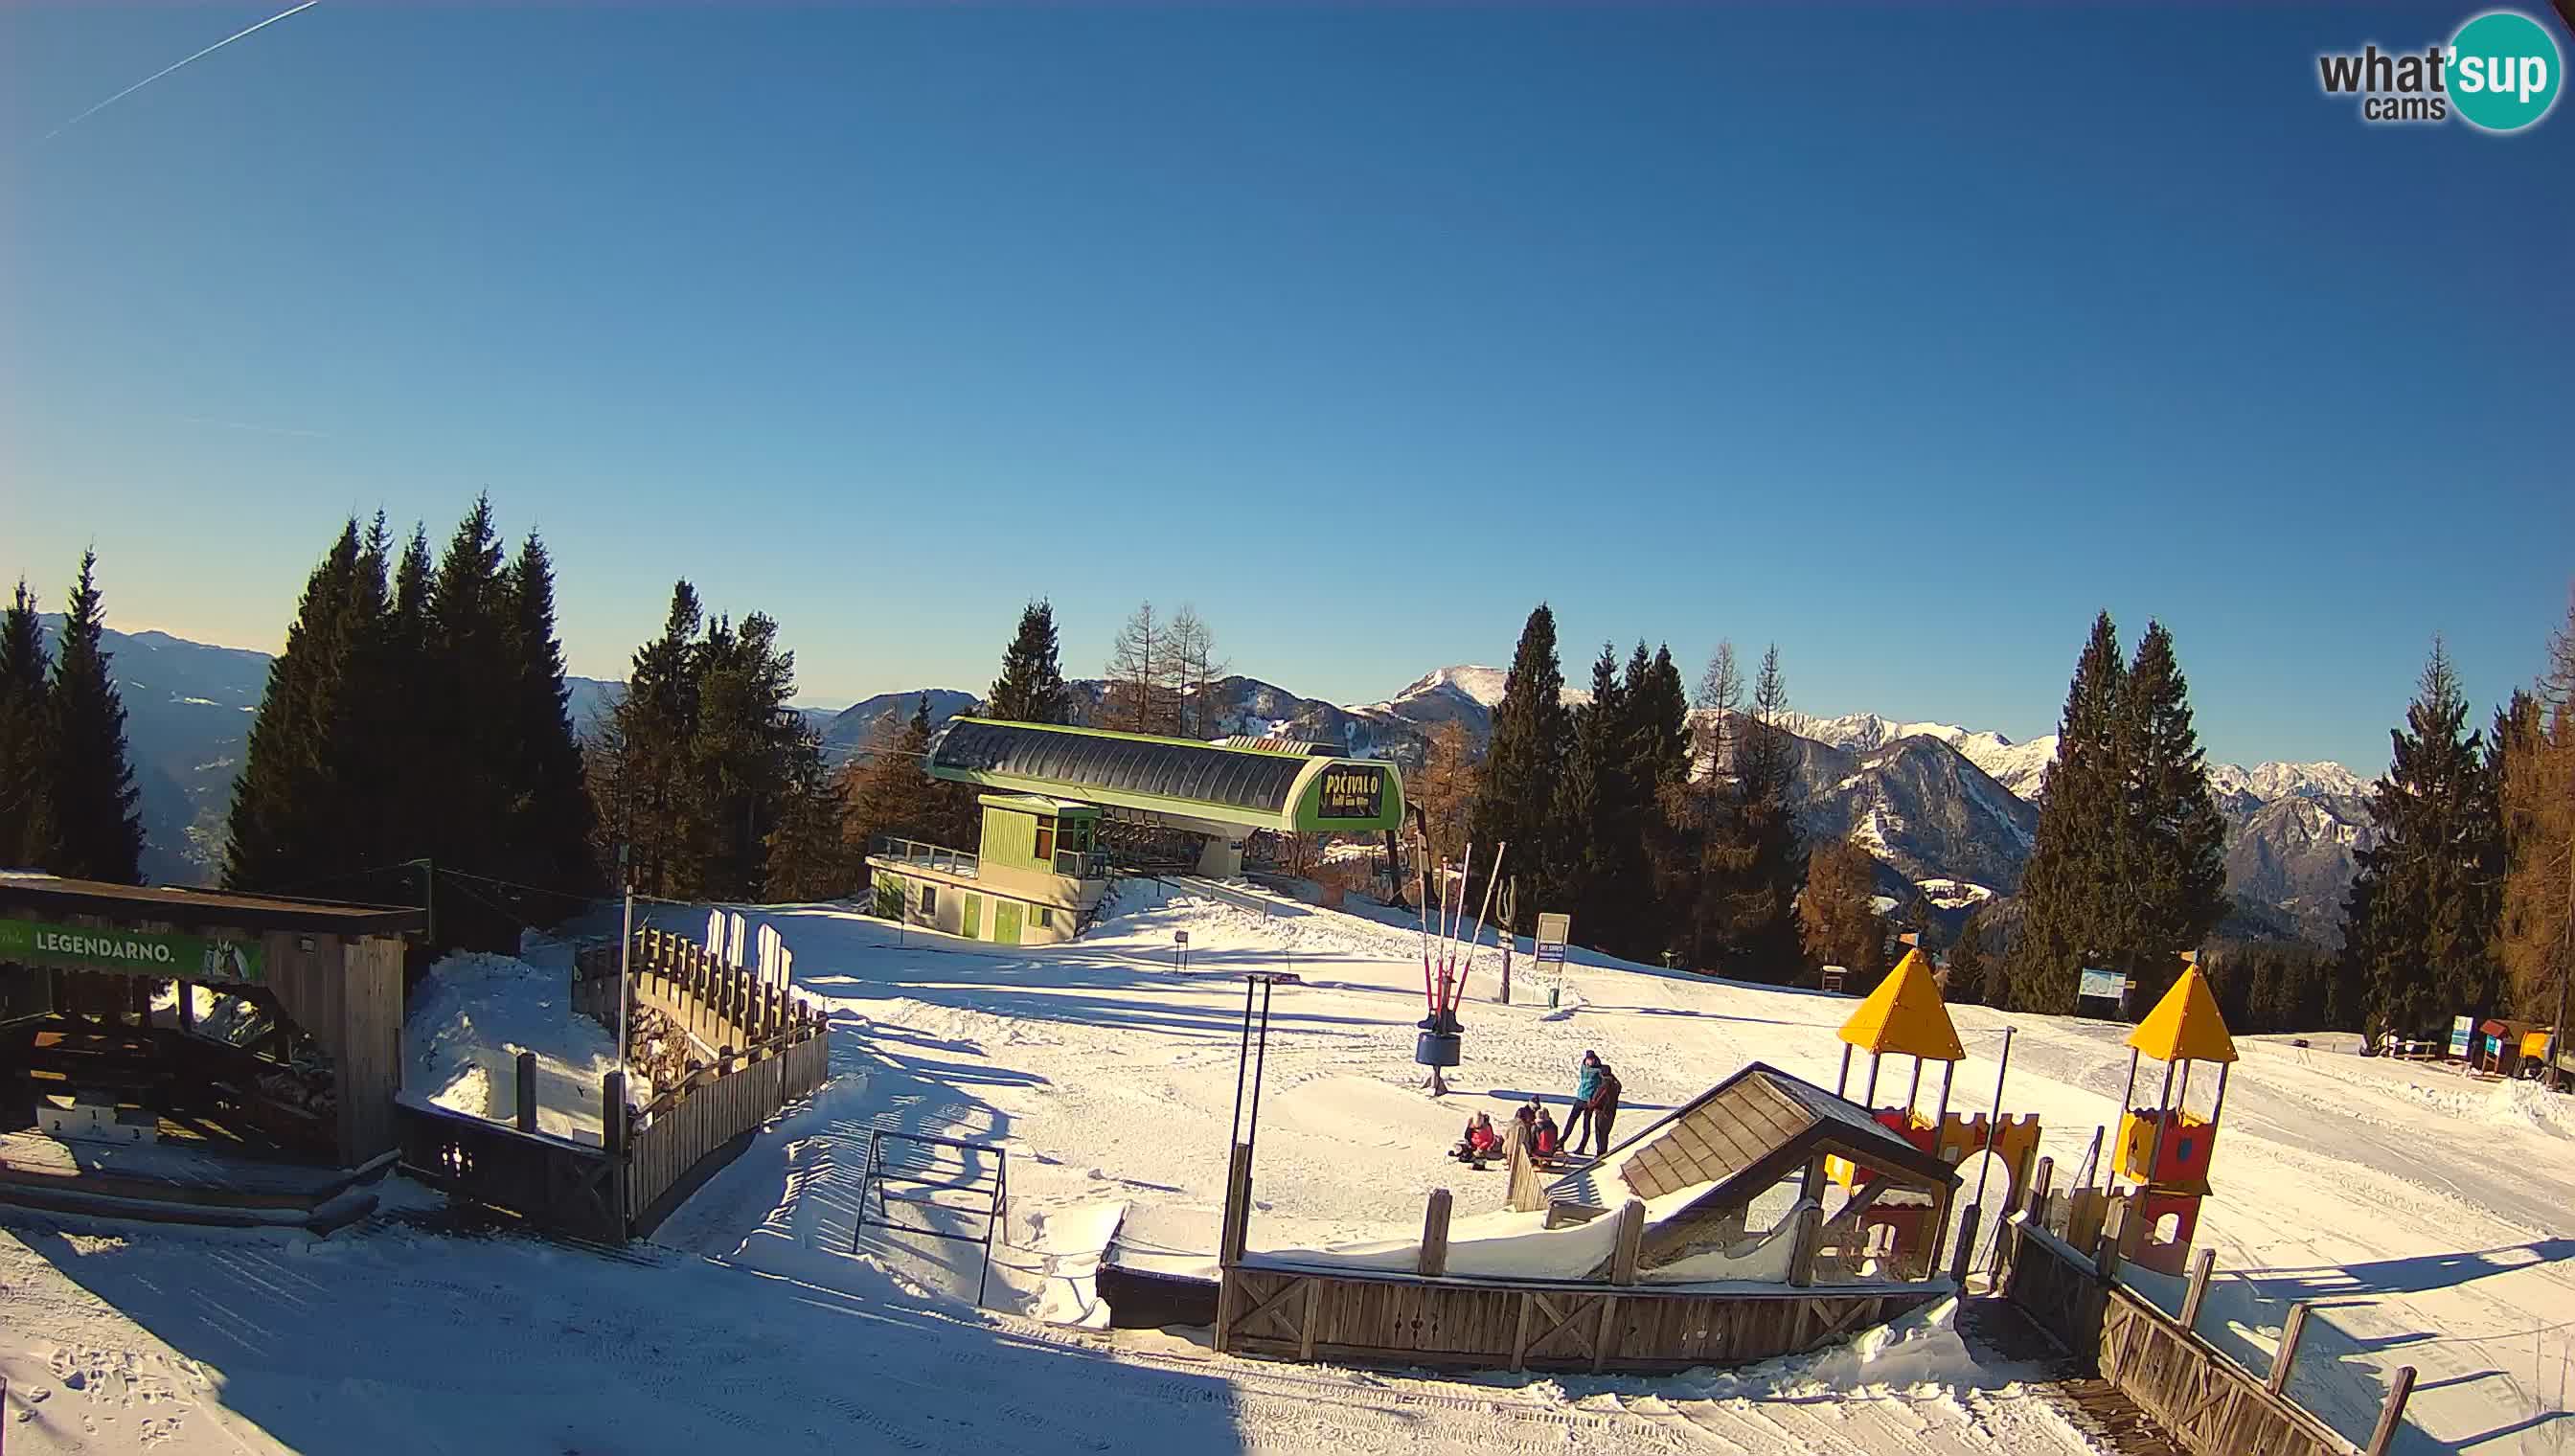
<point>1480,1140</point>
<point>1549,1138</point>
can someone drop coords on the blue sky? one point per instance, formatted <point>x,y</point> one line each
<point>1906,339</point>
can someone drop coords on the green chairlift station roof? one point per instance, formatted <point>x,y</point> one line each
<point>1290,789</point>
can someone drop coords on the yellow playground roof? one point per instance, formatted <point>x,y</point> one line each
<point>1904,1014</point>
<point>2185,1024</point>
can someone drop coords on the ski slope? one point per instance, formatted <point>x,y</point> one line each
<point>2429,1213</point>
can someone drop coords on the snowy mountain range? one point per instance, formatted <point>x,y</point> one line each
<point>1942,806</point>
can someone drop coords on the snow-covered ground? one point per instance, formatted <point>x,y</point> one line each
<point>2428,1215</point>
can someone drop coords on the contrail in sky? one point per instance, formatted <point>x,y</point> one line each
<point>166,70</point>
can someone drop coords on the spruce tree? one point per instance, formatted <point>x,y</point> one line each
<point>2420,920</point>
<point>551,815</point>
<point>287,823</point>
<point>1030,688</point>
<point>97,833</point>
<point>641,782</point>
<point>1589,820</point>
<point>26,832</point>
<point>1838,919</point>
<point>2172,891</point>
<point>1967,969</point>
<point>1532,735</point>
<point>471,710</point>
<point>1757,866</point>
<point>2075,862</point>
<point>1657,768</point>
<point>808,858</point>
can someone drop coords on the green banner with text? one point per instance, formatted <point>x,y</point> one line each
<point>134,952</point>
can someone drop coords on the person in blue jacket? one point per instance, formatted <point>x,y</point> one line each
<point>1587,1087</point>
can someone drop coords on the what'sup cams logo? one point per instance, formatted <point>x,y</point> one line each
<point>2500,73</point>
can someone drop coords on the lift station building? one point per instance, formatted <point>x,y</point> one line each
<point>1039,870</point>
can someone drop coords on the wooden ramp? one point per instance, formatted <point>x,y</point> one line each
<point>2100,1410</point>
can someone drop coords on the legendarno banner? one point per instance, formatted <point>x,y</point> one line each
<point>135,953</point>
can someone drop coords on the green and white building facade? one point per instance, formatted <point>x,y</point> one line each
<point>1039,872</point>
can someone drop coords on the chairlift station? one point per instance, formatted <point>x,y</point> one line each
<point>1040,873</point>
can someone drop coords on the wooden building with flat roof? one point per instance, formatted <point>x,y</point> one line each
<point>291,1051</point>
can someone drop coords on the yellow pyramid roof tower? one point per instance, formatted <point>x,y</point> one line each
<point>1905,1014</point>
<point>2185,1024</point>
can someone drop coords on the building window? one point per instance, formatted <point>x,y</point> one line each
<point>930,901</point>
<point>1046,839</point>
<point>1045,917</point>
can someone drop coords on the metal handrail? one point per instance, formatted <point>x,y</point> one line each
<point>924,856</point>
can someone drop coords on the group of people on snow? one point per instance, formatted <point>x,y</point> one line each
<point>1586,1131</point>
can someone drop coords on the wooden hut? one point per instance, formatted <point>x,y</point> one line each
<point>291,1053</point>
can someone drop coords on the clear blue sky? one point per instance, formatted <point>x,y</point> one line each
<point>1905,338</point>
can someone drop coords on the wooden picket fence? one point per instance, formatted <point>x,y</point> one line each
<point>765,1047</point>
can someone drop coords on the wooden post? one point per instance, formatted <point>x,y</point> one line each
<point>2038,1183</point>
<point>2392,1414</point>
<point>612,1114</point>
<point>1434,1235</point>
<point>2291,1331</point>
<point>1315,1294</point>
<point>1520,1340</point>
<point>1966,1246</point>
<point>1801,1256</point>
<point>2202,1264</point>
<point>187,1007</point>
<point>527,1112</point>
<point>1609,1311</point>
<point>1630,1242</point>
<point>2114,1232</point>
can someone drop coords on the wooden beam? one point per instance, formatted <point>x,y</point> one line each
<point>2292,1331</point>
<point>2202,1264</point>
<point>1520,1340</point>
<point>1314,1295</point>
<point>1630,1239</point>
<point>2392,1414</point>
<point>527,1093</point>
<point>1600,1336</point>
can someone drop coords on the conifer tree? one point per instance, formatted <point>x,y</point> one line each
<point>2172,891</point>
<point>1838,919</point>
<point>1756,863</point>
<point>97,833</point>
<point>550,829</point>
<point>2078,856</point>
<point>26,831</point>
<point>1533,736</point>
<point>1589,820</point>
<point>471,705</point>
<point>2420,920</point>
<point>1030,688</point>
<point>808,858</point>
<point>286,822</point>
<point>746,733</point>
<point>642,783</point>
<point>1967,967</point>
